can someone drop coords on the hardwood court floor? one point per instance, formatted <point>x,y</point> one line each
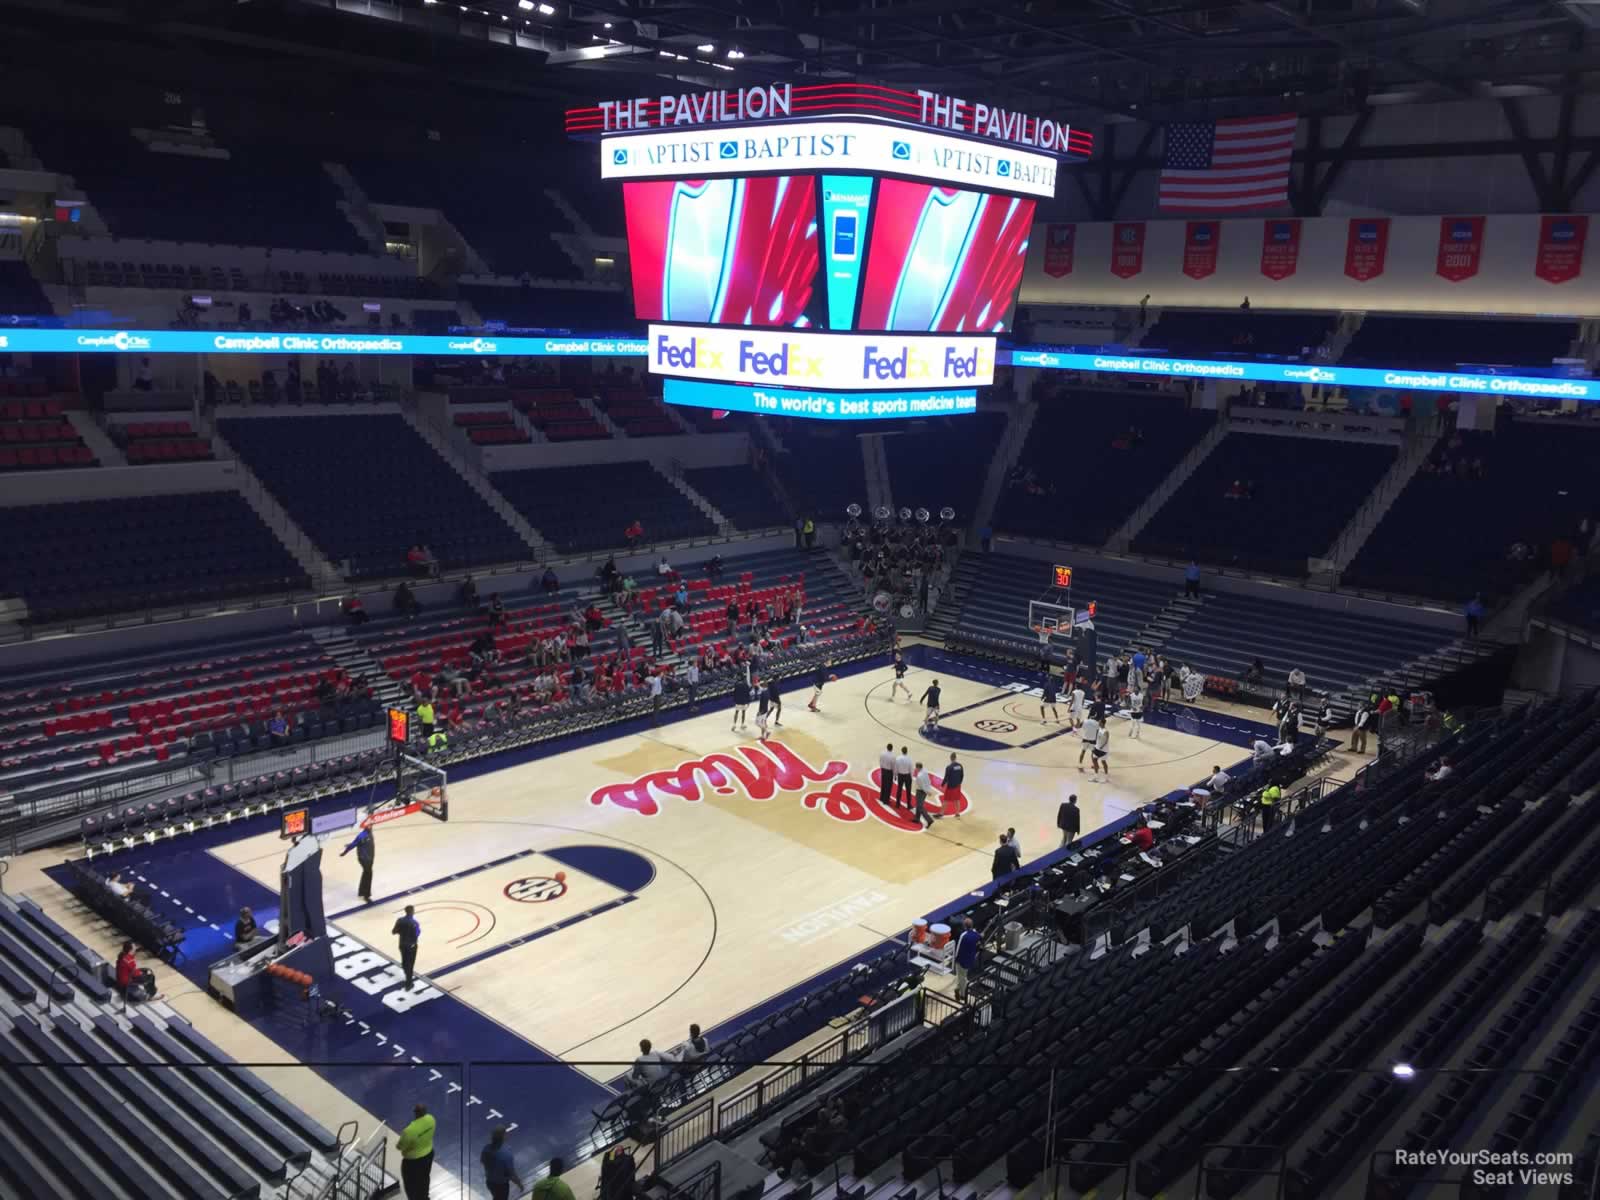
<point>690,899</point>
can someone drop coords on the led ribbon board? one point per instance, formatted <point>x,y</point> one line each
<point>1549,386</point>
<point>189,341</point>
<point>829,146</point>
<point>821,404</point>
<point>829,361</point>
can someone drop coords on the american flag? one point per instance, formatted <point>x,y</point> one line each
<point>1232,165</point>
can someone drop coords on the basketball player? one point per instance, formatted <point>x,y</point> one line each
<point>899,677</point>
<point>763,710</point>
<point>954,776</point>
<point>741,701</point>
<point>1090,729</point>
<point>1136,714</point>
<point>1047,700</point>
<point>1075,711</point>
<point>1102,749</point>
<point>931,698</point>
<point>775,695</point>
<point>819,678</point>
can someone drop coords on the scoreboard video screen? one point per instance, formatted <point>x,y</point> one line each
<point>835,252</point>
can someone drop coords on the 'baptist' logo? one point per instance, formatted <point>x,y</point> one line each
<point>728,150</point>
<point>477,345</point>
<point>901,151</point>
<point>619,158</point>
<point>761,772</point>
<point>1003,167</point>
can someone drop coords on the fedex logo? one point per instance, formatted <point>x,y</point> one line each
<point>907,364</point>
<point>787,362</point>
<point>699,353</point>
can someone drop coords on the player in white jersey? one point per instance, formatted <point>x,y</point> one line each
<point>1075,710</point>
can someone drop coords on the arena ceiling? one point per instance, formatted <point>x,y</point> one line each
<point>1085,60</point>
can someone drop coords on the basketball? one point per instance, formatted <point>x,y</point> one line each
<point>561,876</point>
<point>833,679</point>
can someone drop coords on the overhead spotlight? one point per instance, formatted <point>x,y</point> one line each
<point>608,24</point>
<point>525,5</point>
<point>705,48</point>
<point>547,10</point>
<point>736,53</point>
<point>664,53</point>
<point>1403,1070</point>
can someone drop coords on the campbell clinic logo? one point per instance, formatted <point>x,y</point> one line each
<point>4,341</point>
<point>1309,374</point>
<point>118,340</point>
<point>476,346</point>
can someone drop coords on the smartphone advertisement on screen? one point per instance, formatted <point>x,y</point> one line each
<point>846,205</point>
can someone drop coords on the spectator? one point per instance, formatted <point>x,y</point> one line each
<point>278,727</point>
<point>1297,683</point>
<point>133,981</point>
<point>694,1049</point>
<point>415,1144</point>
<point>124,890</point>
<point>1218,782</point>
<point>549,583</point>
<point>552,1186</point>
<point>499,1169</point>
<point>144,378</point>
<point>714,567</point>
<point>966,956</point>
<point>244,929</point>
<point>1473,611</point>
<point>467,593</point>
<point>634,533</point>
<point>355,612</point>
<point>1191,580</point>
<point>1262,752</point>
<point>1141,837</point>
<point>1441,771</point>
<point>1069,820</point>
<point>405,601</point>
<point>1256,675</point>
<point>649,1068</point>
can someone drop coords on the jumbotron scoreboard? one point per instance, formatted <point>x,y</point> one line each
<point>842,251</point>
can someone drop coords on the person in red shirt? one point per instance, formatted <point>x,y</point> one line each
<point>634,532</point>
<point>135,982</point>
<point>1141,836</point>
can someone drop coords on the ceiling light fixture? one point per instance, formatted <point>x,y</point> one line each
<point>706,48</point>
<point>525,5</point>
<point>547,10</point>
<point>736,53</point>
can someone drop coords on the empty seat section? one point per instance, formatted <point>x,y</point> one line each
<point>103,556</point>
<point>1233,333</point>
<point>740,493</point>
<point>943,462</point>
<point>1439,343</point>
<point>1484,512</point>
<point>1297,495</point>
<point>366,488</point>
<point>1091,459</point>
<point>591,507</point>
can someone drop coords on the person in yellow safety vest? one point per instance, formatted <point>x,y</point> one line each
<point>425,716</point>
<point>438,740</point>
<point>1271,798</point>
<point>810,532</point>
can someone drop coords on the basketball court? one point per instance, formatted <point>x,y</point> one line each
<point>672,873</point>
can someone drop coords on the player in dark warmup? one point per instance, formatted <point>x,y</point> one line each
<point>931,699</point>
<point>819,678</point>
<point>899,677</point>
<point>741,702</point>
<point>763,710</point>
<point>1047,700</point>
<point>775,694</point>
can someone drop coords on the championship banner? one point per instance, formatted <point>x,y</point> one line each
<point>1560,254</point>
<point>1366,247</point>
<point>1060,240</point>
<point>1280,248</point>
<point>1460,247</point>
<point>1200,240</point>
<point>1127,249</point>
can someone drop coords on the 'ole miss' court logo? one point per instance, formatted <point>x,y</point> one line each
<point>761,772</point>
